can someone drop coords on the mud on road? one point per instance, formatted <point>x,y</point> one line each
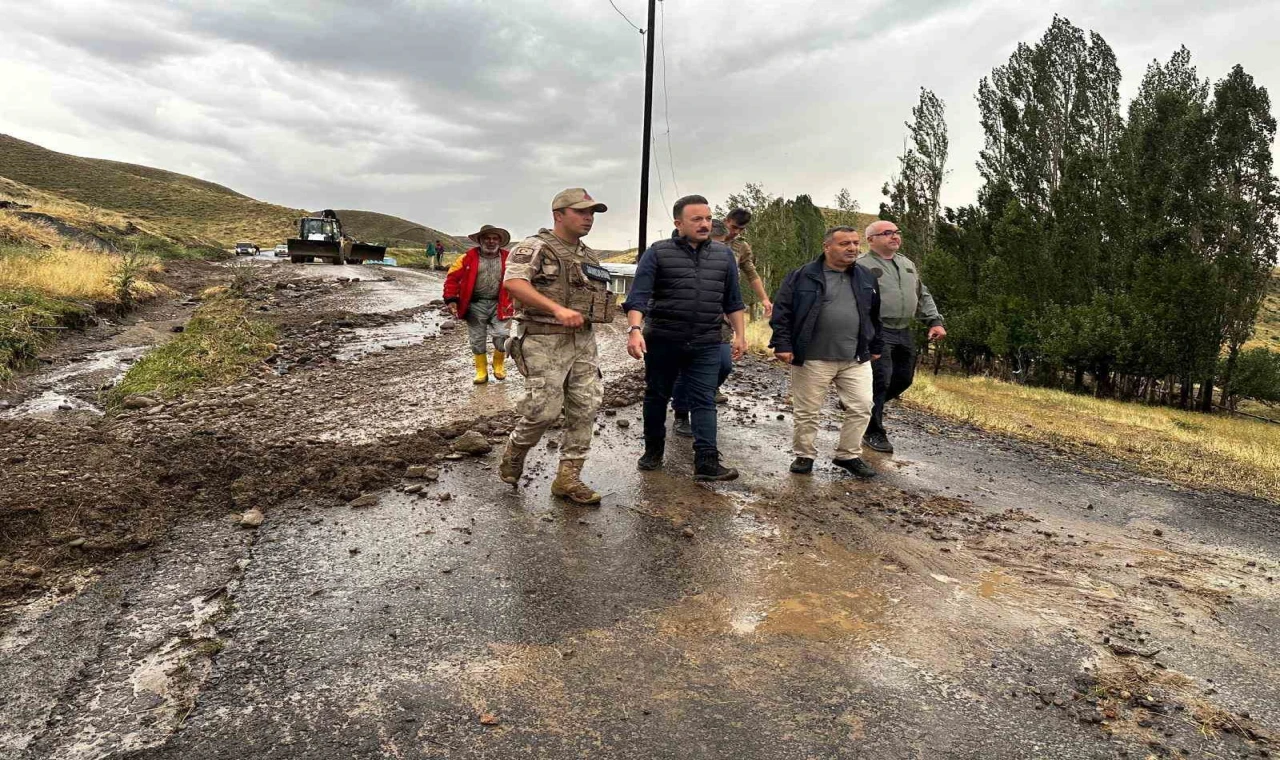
<point>983,598</point>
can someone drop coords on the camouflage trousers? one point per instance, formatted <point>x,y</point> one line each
<point>562,373</point>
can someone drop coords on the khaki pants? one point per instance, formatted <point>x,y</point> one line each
<point>809,384</point>
<point>562,373</point>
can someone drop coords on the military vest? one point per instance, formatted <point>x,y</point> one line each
<point>573,279</point>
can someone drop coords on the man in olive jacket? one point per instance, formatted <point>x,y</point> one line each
<point>903,298</point>
<point>826,325</point>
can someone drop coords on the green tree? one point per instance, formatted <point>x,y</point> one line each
<point>1256,376</point>
<point>1245,189</point>
<point>844,211</point>
<point>1164,173</point>
<point>783,234</point>
<point>915,191</point>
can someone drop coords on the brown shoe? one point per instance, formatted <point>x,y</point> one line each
<point>568,483</point>
<point>512,465</point>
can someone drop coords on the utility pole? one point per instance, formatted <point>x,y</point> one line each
<point>648,127</point>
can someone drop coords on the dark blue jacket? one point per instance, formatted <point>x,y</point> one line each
<point>684,292</point>
<point>796,307</point>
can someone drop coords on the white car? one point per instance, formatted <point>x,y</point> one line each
<point>282,250</point>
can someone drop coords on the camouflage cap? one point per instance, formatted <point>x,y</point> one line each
<point>576,197</point>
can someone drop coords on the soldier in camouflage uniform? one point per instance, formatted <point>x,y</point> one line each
<point>562,291</point>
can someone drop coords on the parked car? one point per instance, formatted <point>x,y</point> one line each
<point>246,249</point>
<point>281,250</point>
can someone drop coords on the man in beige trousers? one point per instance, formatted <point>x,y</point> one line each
<point>826,325</point>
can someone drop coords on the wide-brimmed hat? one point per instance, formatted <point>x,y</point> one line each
<point>506,236</point>
<point>577,197</point>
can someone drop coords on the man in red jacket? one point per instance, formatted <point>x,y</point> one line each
<point>473,290</point>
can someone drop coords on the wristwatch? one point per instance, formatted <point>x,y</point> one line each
<point>633,328</point>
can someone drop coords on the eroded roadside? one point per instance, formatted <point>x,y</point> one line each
<point>984,598</point>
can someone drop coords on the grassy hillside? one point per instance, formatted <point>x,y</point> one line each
<point>372,227</point>
<point>166,203</point>
<point>180,206</point>
<point>619,257</point>
<point>1267,333</point>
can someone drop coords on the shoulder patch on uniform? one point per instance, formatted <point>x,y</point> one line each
<point>877,271</point>
<point>524,253</point>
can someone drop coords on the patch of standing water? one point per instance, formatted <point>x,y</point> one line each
<point>63,389</point>
<point>372,340</point>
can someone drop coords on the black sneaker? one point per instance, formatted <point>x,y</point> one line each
<point>652,457</point>
<point>878,442</point>
<point>707,467</point>
<point>682,426</point>
<point>802,466</point>
<point>855,466</point>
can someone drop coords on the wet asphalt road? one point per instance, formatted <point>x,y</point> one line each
<point>769,617</point>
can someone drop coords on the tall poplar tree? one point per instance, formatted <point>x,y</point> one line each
<point>1247,205</point>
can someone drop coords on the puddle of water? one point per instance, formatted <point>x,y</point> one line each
<point>362,341</point>
<point>993,583</point>
<point>47,403</point>
<point>113,362</point>
<point>59,386</point>
<point>825,615</point>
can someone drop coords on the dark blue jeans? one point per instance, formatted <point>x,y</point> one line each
<point>699,365</point>
<point>680,396</point>
<point>892,373</point>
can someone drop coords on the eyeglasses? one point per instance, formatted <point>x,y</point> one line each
<point>887,233</point>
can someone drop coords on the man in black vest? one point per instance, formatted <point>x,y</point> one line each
<point>684,288</point>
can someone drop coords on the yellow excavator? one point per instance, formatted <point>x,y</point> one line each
<point>321,237</point>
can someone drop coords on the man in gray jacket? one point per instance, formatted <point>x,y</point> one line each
<point>902,297</point>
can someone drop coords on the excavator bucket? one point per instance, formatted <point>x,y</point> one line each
<point>309,250</point>
<point>362,252</point>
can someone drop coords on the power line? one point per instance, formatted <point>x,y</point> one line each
<point>657,165</point>
<point>666,103</point>
<point>624,18</point>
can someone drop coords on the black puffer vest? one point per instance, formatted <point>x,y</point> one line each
<point>688,290</point>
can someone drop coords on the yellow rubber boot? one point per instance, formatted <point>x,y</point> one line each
<point>499,372</point>
<point>482,369</point>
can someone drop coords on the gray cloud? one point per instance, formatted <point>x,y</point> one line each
<point>457,112</point>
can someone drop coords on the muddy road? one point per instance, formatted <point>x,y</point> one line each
<point>983,598</point>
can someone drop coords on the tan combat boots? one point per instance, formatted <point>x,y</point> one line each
<point>512,465</point>
<point>568,483</point>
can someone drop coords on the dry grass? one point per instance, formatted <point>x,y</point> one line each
<point>46,286</point>
<point>1189,448</point>
<point>74,274</point>
<point>167,204</point>
<point>15,231</point>
<point>1266,332</point>
<point>758,335</point>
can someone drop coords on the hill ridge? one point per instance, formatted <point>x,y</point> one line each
<point>185,208</point>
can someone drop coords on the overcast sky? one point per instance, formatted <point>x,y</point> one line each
<point>456,114</point>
